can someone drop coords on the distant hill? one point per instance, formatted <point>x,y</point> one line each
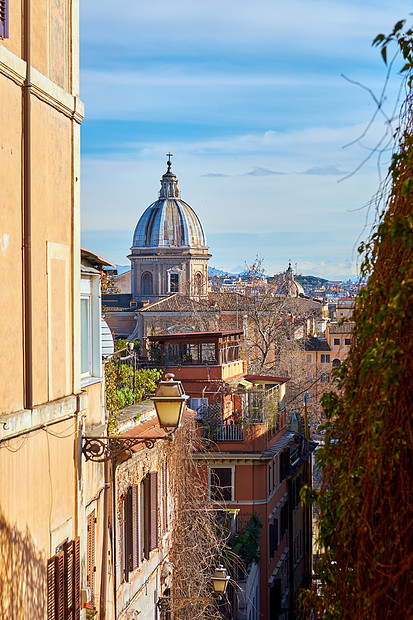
<point>217,272</point>
<point>310,280</point>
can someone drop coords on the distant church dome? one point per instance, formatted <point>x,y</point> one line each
<point>289,286</point>
<point>169,222</point>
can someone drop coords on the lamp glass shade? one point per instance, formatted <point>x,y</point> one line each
<point>169,411</point>
<point>220,580</point>
<point>169,401</point>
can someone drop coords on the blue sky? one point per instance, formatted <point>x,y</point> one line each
<point>250,99</point>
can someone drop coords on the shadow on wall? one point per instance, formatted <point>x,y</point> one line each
<point>22,575</point>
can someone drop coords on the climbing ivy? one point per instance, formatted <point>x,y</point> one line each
<point>126,386</point>
<point>366,499</point>
<point>244,544</point>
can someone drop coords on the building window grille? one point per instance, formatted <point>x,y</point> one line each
<point>325,358</point>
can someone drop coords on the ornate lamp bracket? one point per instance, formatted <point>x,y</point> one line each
<point>101,449</point>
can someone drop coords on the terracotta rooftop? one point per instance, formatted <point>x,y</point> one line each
<point>177,303</point>
<point>268,378</point>
<point>95,258</point>
<point>151,429</point>
<point>316,344</point>
<point>344,328</point>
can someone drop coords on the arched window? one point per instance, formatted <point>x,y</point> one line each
<point>336,363</point>
<point>199,281</point>
<point>147,283</point>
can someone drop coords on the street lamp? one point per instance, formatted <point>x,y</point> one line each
<point>169,401</point>
<point>219,579</point>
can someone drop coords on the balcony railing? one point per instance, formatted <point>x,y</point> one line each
<point>231,432</point>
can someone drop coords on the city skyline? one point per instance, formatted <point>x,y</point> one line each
<point>252,103</point>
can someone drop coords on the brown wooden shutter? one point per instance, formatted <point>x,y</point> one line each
<point>90,561</point>
<point>165,497</point>
<point>147,516</point>
<point>128,546</point>
<point>69,586</point>
<point>142,521</point>
<point>51,584</point>
<point>153,527</point>
<point>76,578</point>
<point>135,526</point>
<point>60,586</point>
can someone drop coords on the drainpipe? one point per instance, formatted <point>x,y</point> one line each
<point>114,549</point>
<point>27,224</point>
<point>104,573</point>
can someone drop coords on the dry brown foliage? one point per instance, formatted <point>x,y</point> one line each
<point>198,538</point>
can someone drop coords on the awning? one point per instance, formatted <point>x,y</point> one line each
<point>241,382</point>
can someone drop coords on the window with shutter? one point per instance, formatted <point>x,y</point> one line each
<point>142,519</point>
<point>51,589</point>
<point>4,19</point>
<point>164,498</point>
<point>63,583</point>
<point>76,578</point>
<point>135,527</point>
<point>90,559</point>
<point>60,591</point>
<point>127,534</point>
<point>153,530</point>
<point>132,528</point>
<point>69,566</point>
<point>271,540</point>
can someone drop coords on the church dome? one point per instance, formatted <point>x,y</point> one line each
<point>169,222</point>
<point>289,286</point>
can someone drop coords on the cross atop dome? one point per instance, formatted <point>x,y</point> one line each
<point>169,163</point>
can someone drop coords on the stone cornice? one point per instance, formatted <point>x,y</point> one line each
<point>14,68</point>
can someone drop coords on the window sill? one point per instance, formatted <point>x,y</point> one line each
<point>90,381</point>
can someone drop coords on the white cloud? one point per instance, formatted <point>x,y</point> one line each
<point>261,172</point>
<point>327,169</point>
<point>179,28</point>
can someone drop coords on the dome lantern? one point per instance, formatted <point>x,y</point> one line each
<point>170,221</point>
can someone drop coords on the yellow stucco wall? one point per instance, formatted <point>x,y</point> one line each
<point>11,351</point>
<point>52,222</point>
<point>42,499</point>
<point>37,513</point>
